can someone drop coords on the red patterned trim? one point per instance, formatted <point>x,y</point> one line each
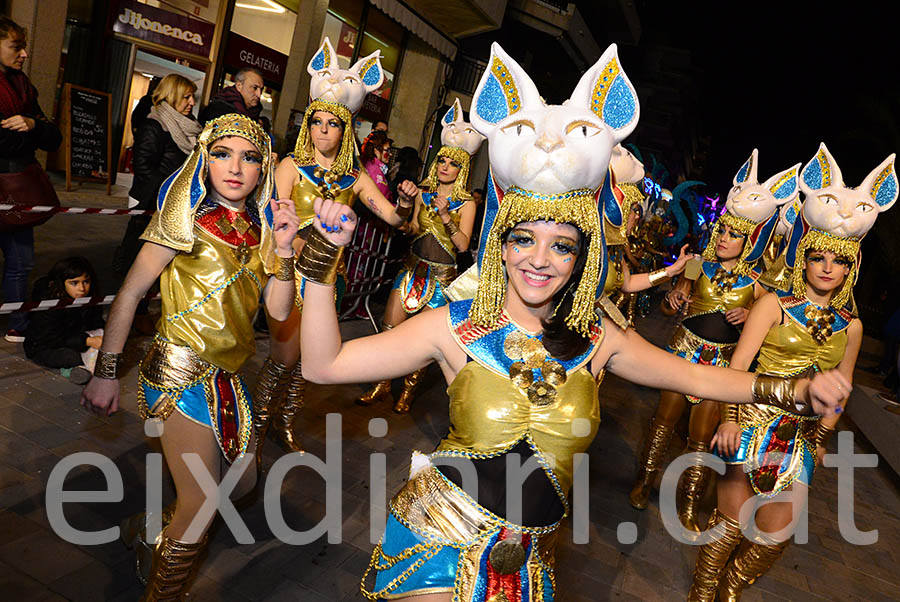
<point>235,238</point>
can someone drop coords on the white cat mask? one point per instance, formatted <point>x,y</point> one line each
<point>626,166</point>
<point>787,215</point>
<point>343,86</point>
<point>845,212</point>
<point>458,133</point>
<point>552,149</point>
<point>757,202</point>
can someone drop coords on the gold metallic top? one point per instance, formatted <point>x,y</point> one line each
<point>790,349</point>
<point>430,224</point>
<point>209,297</point>
<point>707,297</point>
<point>305,192</point>
<point>615,275</point>
<point>490,414</point>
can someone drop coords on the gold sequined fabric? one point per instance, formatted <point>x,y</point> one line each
<point>430,224</point>
<point>209,299</point>
<point>708,296</point>
<point>305,192</point>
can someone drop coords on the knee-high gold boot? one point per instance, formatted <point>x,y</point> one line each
<point>691,487</point>
<point>409,387</point>
<point>270,389</point>
<point>382,389</point>
<point>283,421</point>
<point>173,565</point>
<point>713,557</point>
<point>750,563</point>
<point>654,453</point>
<point>133,532</point>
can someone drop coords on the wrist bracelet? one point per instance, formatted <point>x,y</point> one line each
<point>451,227</point>
<point>822,434</point>
<point>730,413</point>
<point>284,268</point>
<point>779,392</point>
<point>107,365</point>
<point>319,259</point>
<point>403,211</point>
<point>657,276</point>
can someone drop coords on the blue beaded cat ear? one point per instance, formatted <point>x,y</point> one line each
<point>504,90</point>
<point>369,71</point>
<point>747,172</point>
<point>783,185</point>
<point>608,93</point>
<point>821,172</point>
<point>881,184</point>
<point>324,58</point>
<point>454,113</point>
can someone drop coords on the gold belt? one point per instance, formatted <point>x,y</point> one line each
<point>687,341</point>
<point>171,368</point>
<point>443,272</point>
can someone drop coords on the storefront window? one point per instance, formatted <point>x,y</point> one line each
<point>384,34</point>
<point>342,28</point>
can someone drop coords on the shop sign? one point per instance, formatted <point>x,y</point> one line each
<point>162,27</point>
<point>375,107</point>
<point>242,52</point>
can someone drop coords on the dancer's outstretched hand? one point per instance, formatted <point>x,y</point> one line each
<point>335,221</point>
<point>827,392</point>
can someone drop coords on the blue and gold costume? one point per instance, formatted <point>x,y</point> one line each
<point>439,539</point>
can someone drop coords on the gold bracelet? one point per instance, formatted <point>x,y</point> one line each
<point>284,268</point>
<point>451,227</point>
<point>657,276</point>
<point>779,392</point>
<point>822,434</point>
<point>730,413</point>
<point>403,211</point>
<point>319,260</point>
<point>107,365</point>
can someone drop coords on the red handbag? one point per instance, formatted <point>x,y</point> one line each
<point>31,186</point>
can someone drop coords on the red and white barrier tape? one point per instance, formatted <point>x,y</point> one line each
<point>8,308</point>
<point>93,210</point>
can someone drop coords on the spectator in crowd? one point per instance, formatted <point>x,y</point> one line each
<point>243,97</point>
<point>161,145</point>
<point>142,108</point>
<point>23,129</point>
<point>375,156</point>
<point>67,339</point>
<point>380,125</point>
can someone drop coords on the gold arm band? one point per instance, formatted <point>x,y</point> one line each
<point>107,365</point>
<point>403,211</point>
<point>823,434</point>
<point>730,413</point>
<point>779,392</point>
<point>451,227</point>
<point>319,260</point>
<point>284,268</point>
<point>658,276</point>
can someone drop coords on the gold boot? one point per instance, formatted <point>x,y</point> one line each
<point>691,487</point>
<point>273,381</point>
<point>173,565</point>
<point>651,460</point>
<point>133,533</point>
<point>713,557</point>
<point>283,420</point>
<point>749,564</point>
<point>381,391</point>
<point>409,386</point>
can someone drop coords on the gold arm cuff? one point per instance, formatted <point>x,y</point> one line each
<point>403,211</point>
<point>284,268</point>
<point>823,434</point>
<point>107,365</point>
<point>319,261</point>
<point>730,413</point>
<point>451,227</point>
<point>658,276</point>
<point>779,392</point>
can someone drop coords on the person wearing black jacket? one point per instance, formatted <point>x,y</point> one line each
<point>59,338</point>
<point>23,130</point>
<point>243,97</point>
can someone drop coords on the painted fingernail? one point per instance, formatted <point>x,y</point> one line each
<point>838,410</point>
<point>324,226</point>
<point>343,218</point>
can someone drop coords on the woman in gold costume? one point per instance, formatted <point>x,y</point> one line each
<point>324,163</point>
<point>805,329</point>
<point>441,227</point>
<point>716,303</point>
<point>214,242</point>
<point>520,358</point>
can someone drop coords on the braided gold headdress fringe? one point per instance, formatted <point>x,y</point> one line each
<point>819,240</point>
<point>576,207</point>
<point>742,225</point>
<point>633,196</point>
<point>303,151</point>
<point>461,185</point>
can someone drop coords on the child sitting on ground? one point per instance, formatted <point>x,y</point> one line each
<point>68,338</point>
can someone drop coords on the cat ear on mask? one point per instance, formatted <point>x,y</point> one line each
<point>821,172</point>
<point>504,90</point>
<point>881,184</point>
<point>369,71</point>
<point>454,114</point>
<point>324,58</point>
<point>747,173</point>
<point>783,185</point>
<point>605,90</point>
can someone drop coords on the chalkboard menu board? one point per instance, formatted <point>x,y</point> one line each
<point>88,138</point>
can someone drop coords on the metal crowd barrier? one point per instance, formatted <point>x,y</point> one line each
<point>367,261</point>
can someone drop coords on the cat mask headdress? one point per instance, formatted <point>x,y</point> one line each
<point>460,141</point>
